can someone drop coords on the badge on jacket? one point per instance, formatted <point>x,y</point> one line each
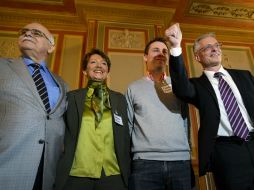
<point>118,119</point>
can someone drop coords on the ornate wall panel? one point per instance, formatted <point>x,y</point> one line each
<point>224,11</point>
<point>125,39</point>
<point>124,43</point>
<point>9,44</point>
<point>71,57</point>
<point>126,67</point>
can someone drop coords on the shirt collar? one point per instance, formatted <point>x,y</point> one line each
<point>150,77</point>
<point>210,74</point>
<point>29,62</point>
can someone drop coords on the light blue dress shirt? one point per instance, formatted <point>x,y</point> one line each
<point>51,85</point>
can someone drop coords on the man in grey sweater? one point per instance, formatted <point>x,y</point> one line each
<point>158,126</point>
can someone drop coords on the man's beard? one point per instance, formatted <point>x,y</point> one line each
<point>160,64</point>
<point>159,69</point>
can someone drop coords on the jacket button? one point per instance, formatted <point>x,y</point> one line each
<point>41,141</point>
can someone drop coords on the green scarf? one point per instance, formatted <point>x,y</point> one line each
<point>100,99</point>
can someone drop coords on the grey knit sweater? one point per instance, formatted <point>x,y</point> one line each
<point>157,128</point>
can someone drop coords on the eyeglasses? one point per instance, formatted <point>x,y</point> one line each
<point>35,33</point>
<point>209,47</point>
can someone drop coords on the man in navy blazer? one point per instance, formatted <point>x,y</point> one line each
<point>230,158</point>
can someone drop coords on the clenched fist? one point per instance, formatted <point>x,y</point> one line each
<point>174,35</point>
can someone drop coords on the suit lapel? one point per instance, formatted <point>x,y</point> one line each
<point>62,91</point>
<point>204,81</point>
<point>80,97</point>
<point>21,70</point>
<point>236,80</point>
<point>239,83</point>
<point>116,128</point>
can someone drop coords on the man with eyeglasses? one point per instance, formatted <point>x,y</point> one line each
<point>225,99</point>
<point>32,103</point>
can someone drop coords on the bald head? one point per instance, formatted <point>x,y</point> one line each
<point>43,29</point>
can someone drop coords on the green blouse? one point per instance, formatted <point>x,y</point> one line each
<point>95,148</point>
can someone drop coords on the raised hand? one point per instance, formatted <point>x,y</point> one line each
<point>174,35</point>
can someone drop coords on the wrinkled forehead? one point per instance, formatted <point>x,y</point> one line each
<point>38,27</point>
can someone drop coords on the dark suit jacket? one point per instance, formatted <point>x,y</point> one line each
<point>199,92</point>
<point>76,100</point>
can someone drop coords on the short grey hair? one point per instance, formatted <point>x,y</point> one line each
<point>196,45</point>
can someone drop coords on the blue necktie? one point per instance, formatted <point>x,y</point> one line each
<point>235,117</point>
<point>41,87</point>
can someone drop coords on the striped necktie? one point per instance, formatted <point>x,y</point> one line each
<point>41,87</point>
<point>235,117</point>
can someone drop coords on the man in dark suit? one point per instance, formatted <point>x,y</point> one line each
<point>223,148</point>
<point>97,143</point>
<point>31,115</point>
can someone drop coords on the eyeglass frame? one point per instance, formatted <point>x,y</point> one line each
<point>36,33</point>
<point>207,47</point>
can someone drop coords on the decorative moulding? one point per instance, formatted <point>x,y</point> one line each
<point>225,11</point>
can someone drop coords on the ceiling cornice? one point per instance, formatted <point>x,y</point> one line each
<point>127,13</point>
<point>11,17</point>
<point>46,5</point>
<point>192,31</point>
<point>223,11</point>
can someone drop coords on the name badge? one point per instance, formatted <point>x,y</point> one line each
<point>166,88</point>
<point>118,119</point>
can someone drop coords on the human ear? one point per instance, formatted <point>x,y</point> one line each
<point>51,49</point>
